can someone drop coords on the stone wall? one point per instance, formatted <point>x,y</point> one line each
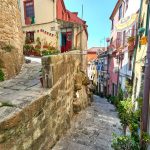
<point>38,125</point>
<point>11,51</point>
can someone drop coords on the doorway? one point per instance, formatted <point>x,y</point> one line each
<point>66,41</point>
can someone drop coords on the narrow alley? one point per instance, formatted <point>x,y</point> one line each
<point>92,128</point>
<point>74,75</point>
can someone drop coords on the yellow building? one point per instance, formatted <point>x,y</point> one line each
<point>49,23</point>
<point>140,53</point>
<point>38,21</point>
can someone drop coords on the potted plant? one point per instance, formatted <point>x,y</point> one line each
<point>45,46</point>
<point>131,40</point>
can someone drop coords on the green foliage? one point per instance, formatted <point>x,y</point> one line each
<point>114,100</point>
<point>38,41</point>
<point>51,48</point>
<point>129,88</point>
<point>146,137</point>
<point>120,94</point>
<point>50,52</point>
<point>140,101</point>
<point>2,104</point>
<point>134,124</point>
<point>8,48</point>
<point>1,75</point>
<point>125,109</point>
<point>125,143</point>
<point>28,47</point>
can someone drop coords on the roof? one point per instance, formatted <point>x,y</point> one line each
<point>115,9</point>
<point>69,16</point>
<point>96,49</point>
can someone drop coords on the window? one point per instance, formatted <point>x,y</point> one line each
<point>124,38</point>
<point>112,27</point>
<point>30,36</point>
<point>120,12</point>
<point>29,9</point>
<point>119,39</point>
<point>133,30</point>
<point>127,2</point>
<point>130,63</point>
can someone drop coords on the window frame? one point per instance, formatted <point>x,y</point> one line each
<point>120,11</point>
<point>112,25</point>
<point>25,3</point>
<point>31,33</point>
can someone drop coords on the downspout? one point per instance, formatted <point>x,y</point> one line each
<point>146,98</point>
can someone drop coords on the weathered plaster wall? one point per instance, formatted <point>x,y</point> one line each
<point>47,14</point>
<point>10,36</point>
<point>41,123</point>
<point>139,59</point>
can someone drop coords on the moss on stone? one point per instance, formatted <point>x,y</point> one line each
<point>1,75</point>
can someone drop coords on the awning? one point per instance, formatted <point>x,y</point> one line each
<point>126,22</point>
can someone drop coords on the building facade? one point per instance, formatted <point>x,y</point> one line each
<point>122,44</point>
<point>140,53</point>
<point>103,72</point>
<point>114,48</point>
<point>92,59</point>
<point>51,24</point>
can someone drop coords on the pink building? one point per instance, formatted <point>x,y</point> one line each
<point>115,43</point>
<point>122,44</point>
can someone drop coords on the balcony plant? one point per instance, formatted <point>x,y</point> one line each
<point>131,39</point>
<point>141,31</point>
<point>27,49</point>
<point>37,52</point>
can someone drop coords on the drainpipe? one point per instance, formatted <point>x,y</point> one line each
<point>146,98</point>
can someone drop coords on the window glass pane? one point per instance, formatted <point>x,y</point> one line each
<point>30,36</point>
<point>120,12</point>
<point>29,10</point>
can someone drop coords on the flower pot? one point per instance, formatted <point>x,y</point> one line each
<point>45,46</point>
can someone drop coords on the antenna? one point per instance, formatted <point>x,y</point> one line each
<point>82,11</point>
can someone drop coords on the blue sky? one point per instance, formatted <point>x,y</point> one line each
<point>96,13</point>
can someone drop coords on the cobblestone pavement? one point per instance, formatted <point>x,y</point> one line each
<point>92,128</point>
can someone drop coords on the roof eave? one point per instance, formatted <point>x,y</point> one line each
<point>115,9</point>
